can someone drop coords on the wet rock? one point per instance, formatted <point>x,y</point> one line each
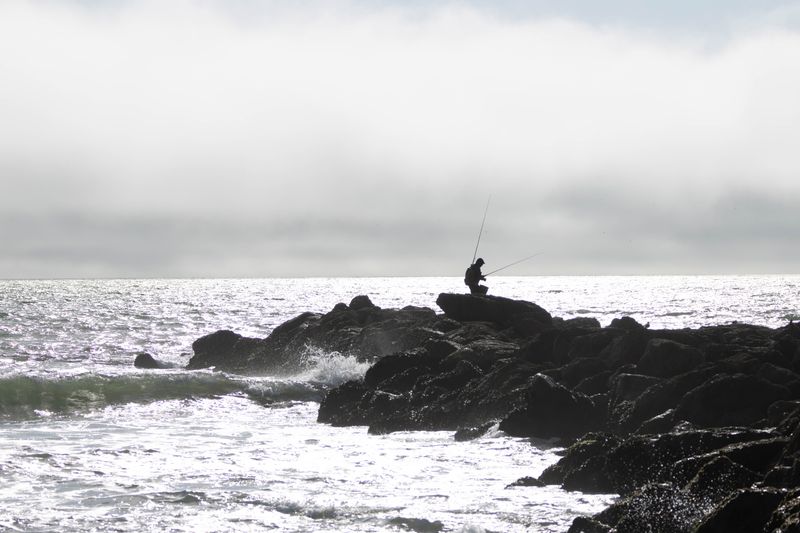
<point>664,358</point>
<point>526,481</point>
<point>625,349</point>
<point>224,350</point>
<point>145,360</point>
<point>584,524</point>
<point>651,458</point>
<point>501,311</point>
<point>786,518</point>
<point>626,323</point>
<point>744,511</point>
<point>718,478</point>
<point>736,400</point>
<point>472,433</point>
<point>361,302</point>
<point>551,410</point>
<point>655,508</point>
<point>586,456</point>
<point>340,405</point>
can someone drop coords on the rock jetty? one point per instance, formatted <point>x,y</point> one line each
<point>697,430</point>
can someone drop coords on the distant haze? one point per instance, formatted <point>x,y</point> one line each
<point>263,139</point>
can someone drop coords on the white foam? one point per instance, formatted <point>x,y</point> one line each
<point>331,368</point>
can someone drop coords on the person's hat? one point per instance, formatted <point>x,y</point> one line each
<point>479,261</point>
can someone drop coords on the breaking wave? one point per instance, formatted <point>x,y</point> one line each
<point>26,396</point>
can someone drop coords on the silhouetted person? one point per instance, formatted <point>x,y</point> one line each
<point>473,277</point>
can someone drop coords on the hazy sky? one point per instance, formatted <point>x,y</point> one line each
<point>247,138</point>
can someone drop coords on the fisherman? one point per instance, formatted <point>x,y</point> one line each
<point>473,277</point>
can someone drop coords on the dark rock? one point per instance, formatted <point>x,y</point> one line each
<point>361,302</point>
<point>663,423</point>
<point>584,524</point>
<point>582,456</point>
<point>420,525</point>
<point>744,511</point>
<point>145,360</point>
<point>340,405</point>
<point>786,518</point>
<point>664,358</point>
<point>596,384</point>
<point>472,433</point>
<point>661,397</point>
<point>501,311</point>
<point>777,374</point>
<point>392,365</point>
<point>580,369</point>
<point>526,481</point>
<point>737,400</point>
<point>651,458</point>
<point>625,349</point>
<point>590,345</point>
<point>483,353</point>
<point>551,410</point>
<point>626,323</point>
<point>583,322</point>
<point>718,478</point>
<point>224,350</point>
<point>658,508</point>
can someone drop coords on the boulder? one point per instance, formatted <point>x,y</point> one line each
<point>744,511</point>
<point>719,477</point>
<point>664,358</point>
<point>655,508</point>
<point>786,518</point>
<point>223,350</point>
<point>501,311</point>
<point>735,400</point>
<point>551,410</point>
<point>584,524</point>
<point>145,360</point>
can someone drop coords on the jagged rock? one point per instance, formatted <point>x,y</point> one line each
<point>583,462</point>
<point>526,481</point>
<point>339,407</point>
<point>744,511</point>
<point>737,400</point>
<point>584,524</point>
<point>472,433</point>
<point>655,508</point>
<point>719,477</point>
<point>786,518</point>
<point>551,410</point>
<point>651,458</point>
<point>664,358</point>
<point>625,349</point>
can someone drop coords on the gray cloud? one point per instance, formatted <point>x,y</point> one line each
<point>150,139</point>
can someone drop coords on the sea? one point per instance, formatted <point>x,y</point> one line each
<point>90,443</point>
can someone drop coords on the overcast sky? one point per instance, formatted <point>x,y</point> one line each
<point>262,139</point>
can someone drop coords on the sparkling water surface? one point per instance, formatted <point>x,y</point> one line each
<point>87,442</point>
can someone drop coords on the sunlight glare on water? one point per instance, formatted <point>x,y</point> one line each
<point>88,442</point>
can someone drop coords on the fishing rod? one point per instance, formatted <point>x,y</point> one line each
<point>514,263</point>
<point>481,231</point>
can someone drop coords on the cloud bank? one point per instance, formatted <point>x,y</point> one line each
<point>200,140</point>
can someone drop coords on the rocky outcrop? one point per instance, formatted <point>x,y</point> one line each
<point>690,427</point>
<point>360,328</point>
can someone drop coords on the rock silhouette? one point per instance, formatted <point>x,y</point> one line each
<point>692,427</point>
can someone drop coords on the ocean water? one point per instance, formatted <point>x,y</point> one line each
<point>90,443</point>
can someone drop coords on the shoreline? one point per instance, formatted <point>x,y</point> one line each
<point>705,421</point>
